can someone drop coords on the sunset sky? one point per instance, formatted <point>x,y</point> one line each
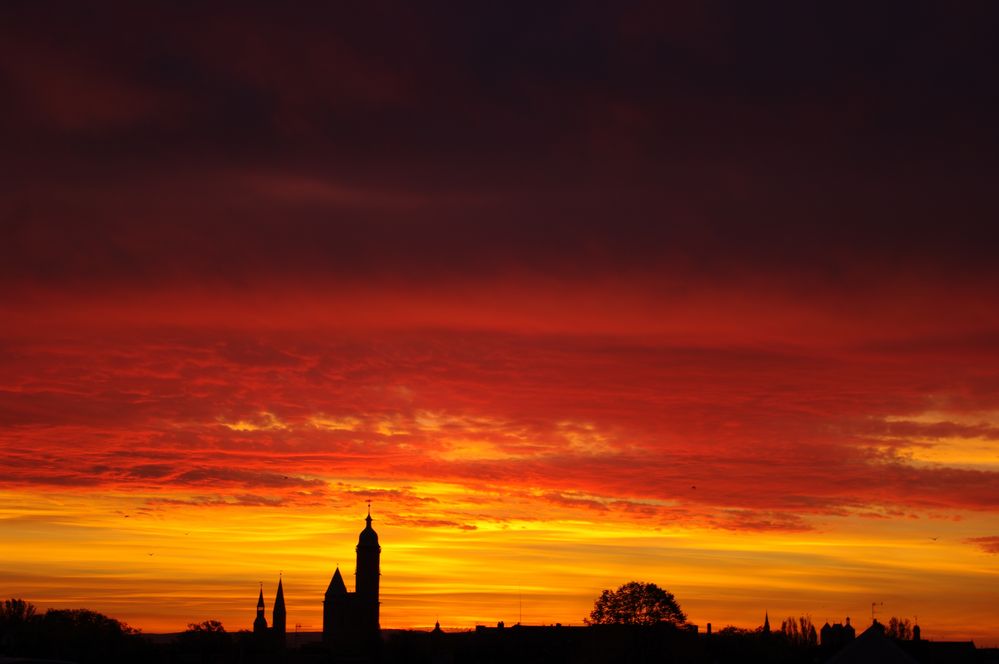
<point>575,295</point>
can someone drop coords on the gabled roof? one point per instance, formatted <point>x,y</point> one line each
<point>874,647</point>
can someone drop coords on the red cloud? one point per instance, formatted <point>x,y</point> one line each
<point>987,544</point>
<point>746,438</point>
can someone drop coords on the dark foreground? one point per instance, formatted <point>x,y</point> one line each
<point>85,639</point>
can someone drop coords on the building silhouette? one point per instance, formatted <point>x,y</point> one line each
<point>353,616</point>
<point>260,622</point>
<point>350,619</point>
<point>278,615</point>
<point>838,635</point>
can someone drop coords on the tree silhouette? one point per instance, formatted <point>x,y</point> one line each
<point>899,628</point>
<point>86,636</point>
<point>636,603</point>
<point>206,641</point>
<point>16,625</point>
<point>732,630</point>
<point>210,626</point>
<point>799,631</point>
<point>16,611</point>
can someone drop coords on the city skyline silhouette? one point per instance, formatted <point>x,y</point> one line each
<point>636,622</point>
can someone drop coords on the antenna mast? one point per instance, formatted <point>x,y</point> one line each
<point>874,604</point>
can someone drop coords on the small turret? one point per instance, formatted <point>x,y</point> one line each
<point>260,623</point>
<point>368,536</point>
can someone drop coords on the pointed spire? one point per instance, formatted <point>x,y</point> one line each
<point>260,601</point>
<point>279,599</point>
<point>279,615</point>
<point>337,586</point>
<point>766,622</point>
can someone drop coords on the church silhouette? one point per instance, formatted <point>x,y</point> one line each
<point>354,615</point>
<point>278,617</point>
<point>348,617</point>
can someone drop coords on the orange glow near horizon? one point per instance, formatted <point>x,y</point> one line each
<point>168,567</point>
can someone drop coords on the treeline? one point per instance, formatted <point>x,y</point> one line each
<point>89,637</point>
<point>77,635</point>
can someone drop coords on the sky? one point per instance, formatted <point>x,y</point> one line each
<point>574,294</point>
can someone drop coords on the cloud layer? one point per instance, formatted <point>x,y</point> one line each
<point>614,418</point>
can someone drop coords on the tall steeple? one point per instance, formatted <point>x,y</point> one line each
<point>279,616</point>
<point>766,622</point>
<point>352,617</point>
<point>260,624</point>
<point>368,571</point>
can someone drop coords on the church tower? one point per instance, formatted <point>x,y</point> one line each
<point>366,581</point>
<point>260,623</point>
<point>279,617</point>
<point>352,617</point>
